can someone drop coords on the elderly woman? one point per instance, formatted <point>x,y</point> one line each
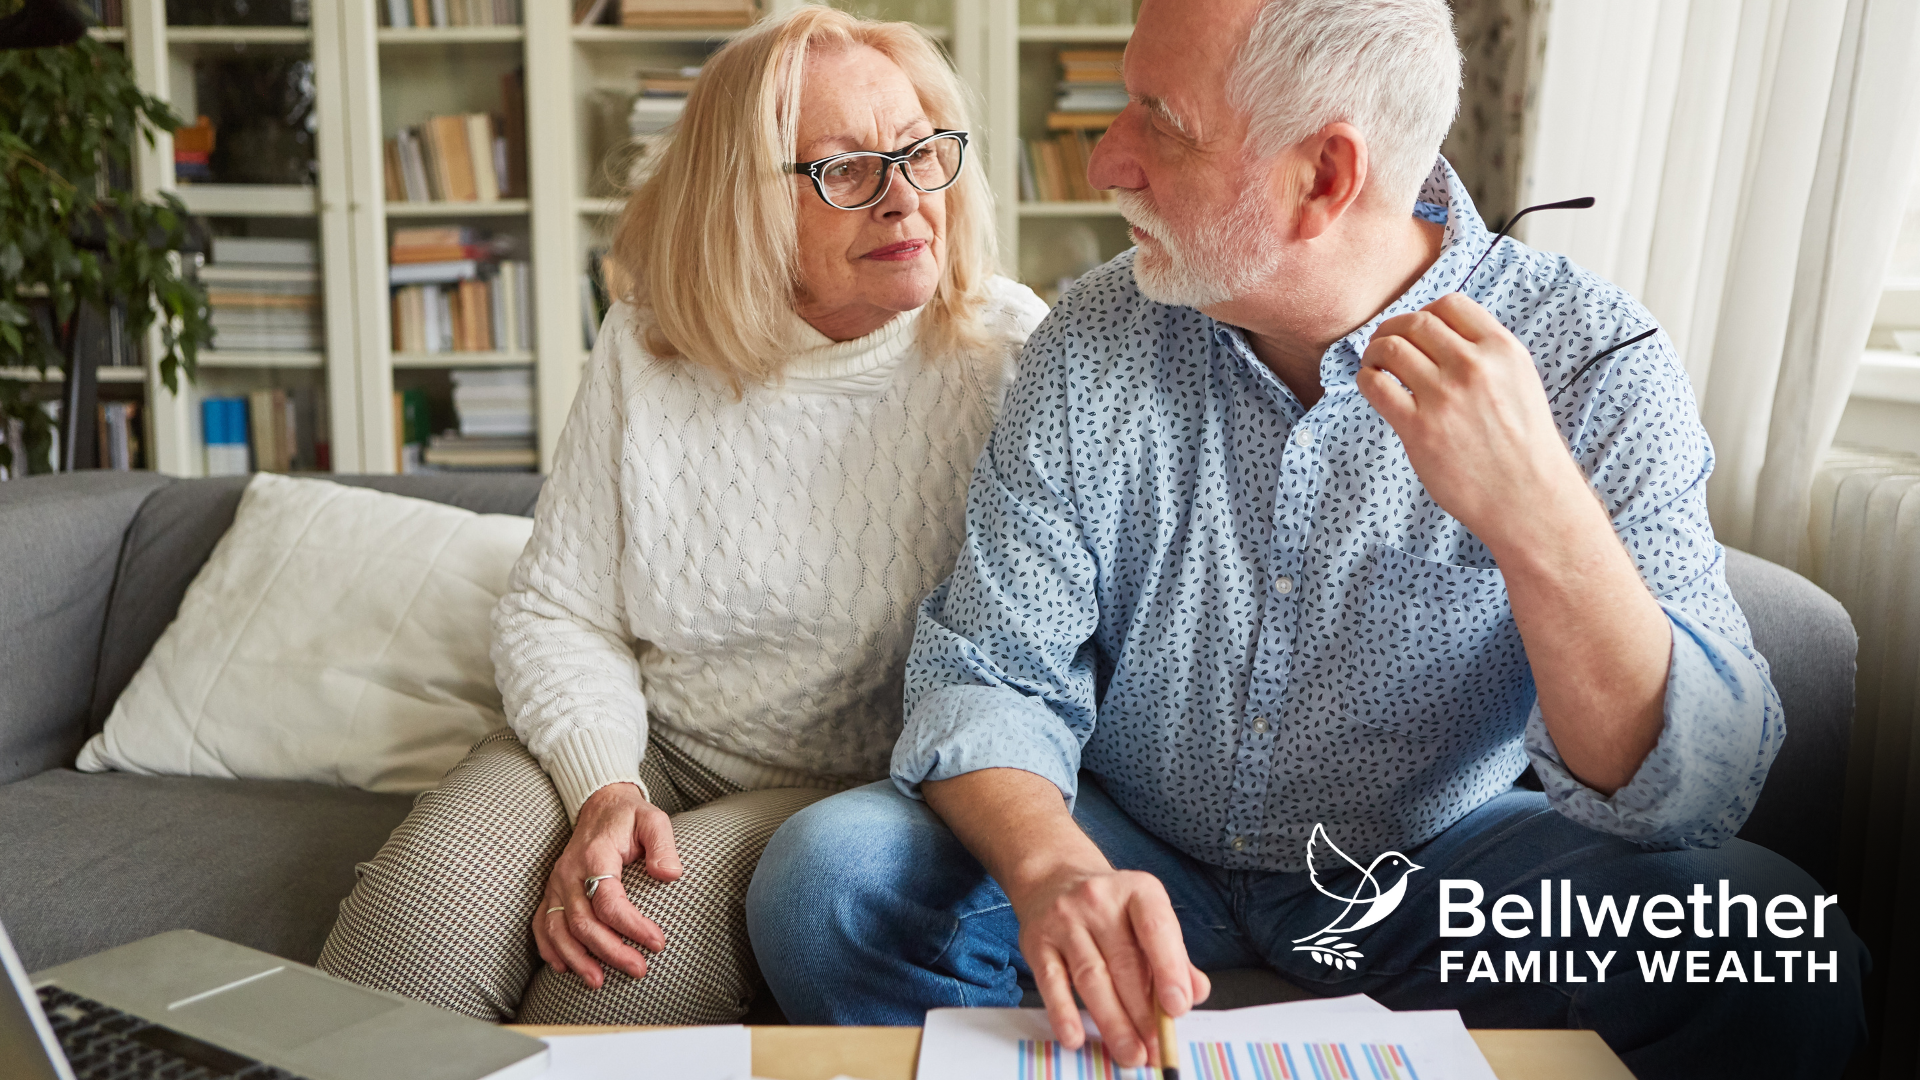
<point>763,473</point>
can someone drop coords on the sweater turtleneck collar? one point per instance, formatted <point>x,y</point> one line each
<point>822,365</point>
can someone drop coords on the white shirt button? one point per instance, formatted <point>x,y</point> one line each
<point>1303,436</point>
<point>1260,724</point>
<point>1238,843</point>
<point>1283,584</point>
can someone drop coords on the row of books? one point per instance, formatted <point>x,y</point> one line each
<point>595,299</point>
<point>450,13</point>
<point>477,315</point>
<point>107,12</point>
<point>265,294</point>
<point>119,431</point>
<point>1055,169</point>
<point>463,157</point>
<point>667,13</point>
<point>448,159</point>
<point>261,432</point>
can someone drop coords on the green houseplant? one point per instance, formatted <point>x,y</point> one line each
<point>73,232</point>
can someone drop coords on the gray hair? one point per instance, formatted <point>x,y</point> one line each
<point>1391,68</point>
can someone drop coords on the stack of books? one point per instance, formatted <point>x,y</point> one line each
<point>494,408</point>
<point>450,13</point>
<point>688,13</point>
<point>265,295</point>
<point>656,109</point>
<point>1087,98</point>
<point>452,293</point>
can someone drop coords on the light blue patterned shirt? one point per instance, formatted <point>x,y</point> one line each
<point>1245,617</point>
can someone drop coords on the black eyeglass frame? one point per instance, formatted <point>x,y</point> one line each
<point>812,169</point>
<point>1581,203</point>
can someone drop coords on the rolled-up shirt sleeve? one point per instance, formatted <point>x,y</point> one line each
<point>1648,459</point>
<point>1001,674</point>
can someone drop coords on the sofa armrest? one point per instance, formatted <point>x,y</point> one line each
<point>60,539</point>
<point>1809,642</point>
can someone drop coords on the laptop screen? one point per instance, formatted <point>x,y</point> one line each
<point>26,1040</point>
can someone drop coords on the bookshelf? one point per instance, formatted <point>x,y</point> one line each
<point>370,80</point>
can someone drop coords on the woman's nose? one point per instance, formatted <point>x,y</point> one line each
<point>901,199</point>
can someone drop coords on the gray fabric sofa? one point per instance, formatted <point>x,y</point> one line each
<point>93,567</point>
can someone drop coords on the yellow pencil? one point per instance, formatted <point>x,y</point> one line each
<point>1169,1050</point>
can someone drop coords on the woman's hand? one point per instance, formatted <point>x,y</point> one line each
<point>616,826</point>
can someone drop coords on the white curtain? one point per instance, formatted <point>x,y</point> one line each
<point>1751,160</point>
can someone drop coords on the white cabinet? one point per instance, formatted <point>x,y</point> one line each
<point>369,80</point>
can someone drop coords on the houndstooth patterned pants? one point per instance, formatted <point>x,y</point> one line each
<point>443,913</point>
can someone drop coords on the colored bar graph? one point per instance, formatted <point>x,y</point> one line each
<point>1044,1059</point>
<point>1287,1061</point>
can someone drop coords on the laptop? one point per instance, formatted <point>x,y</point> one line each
<point>185,1006</point>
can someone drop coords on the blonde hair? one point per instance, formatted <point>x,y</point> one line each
<point>708,246</point>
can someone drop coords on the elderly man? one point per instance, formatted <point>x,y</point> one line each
<point>1279,571</point>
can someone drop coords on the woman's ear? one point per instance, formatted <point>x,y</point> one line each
<point>1336,156</point>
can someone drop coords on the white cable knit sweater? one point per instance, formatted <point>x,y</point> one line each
<point>744,572</point>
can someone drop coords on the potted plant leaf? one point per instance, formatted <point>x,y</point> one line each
<point>75,236</point>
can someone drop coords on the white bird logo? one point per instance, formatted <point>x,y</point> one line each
<point>1368,900</point>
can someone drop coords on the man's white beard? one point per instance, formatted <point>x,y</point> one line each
<point>1224,260</point>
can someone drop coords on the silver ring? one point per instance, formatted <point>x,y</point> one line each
<point>593,884</point>
<point>551,910</point>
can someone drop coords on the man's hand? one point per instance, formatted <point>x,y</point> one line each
<point>1466,401</point>
<point>617,826</point>
<point>1112,935</point>
<point>1464,397</point>
<point>1109,934</point>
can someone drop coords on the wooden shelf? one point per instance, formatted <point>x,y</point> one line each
<point>1069,209</point>
<point>634,35</point>
<point>447,35</point>
<point>512,358</point>
<point>263,358</point>
<point>239,35</point>
<point>498,208</point>
<point>602,207</point>
<point>1065,35</point>
<point>108,33</point>
<point>105,374</point>
<point>250,200</point>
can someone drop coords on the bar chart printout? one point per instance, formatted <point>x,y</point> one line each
<point>1044,1059</point>
<point>1300,1061</point>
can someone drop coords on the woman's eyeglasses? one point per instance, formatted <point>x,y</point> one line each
<point>857,180</point>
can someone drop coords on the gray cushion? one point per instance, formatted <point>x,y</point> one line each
<point>59,542</point>
<point>178,527</point>
<point>1808,639</point>
<point>94,861</point>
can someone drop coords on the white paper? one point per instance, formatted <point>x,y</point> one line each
<point>1352,1003</point>
<point>1350,1036</point>
<point>723,1052</point>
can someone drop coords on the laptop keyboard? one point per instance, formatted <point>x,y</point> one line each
<point>103,1043</point>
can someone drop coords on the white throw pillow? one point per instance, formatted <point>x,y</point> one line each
<point>336,634</point>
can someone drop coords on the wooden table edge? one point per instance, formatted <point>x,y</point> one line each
<point>892,1053</point>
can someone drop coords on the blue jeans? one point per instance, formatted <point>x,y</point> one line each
<point>866,909</point>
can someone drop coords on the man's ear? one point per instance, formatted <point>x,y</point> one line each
<point>1334,164</point>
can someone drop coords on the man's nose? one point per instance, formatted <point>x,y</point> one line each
<point>1113,163</point>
